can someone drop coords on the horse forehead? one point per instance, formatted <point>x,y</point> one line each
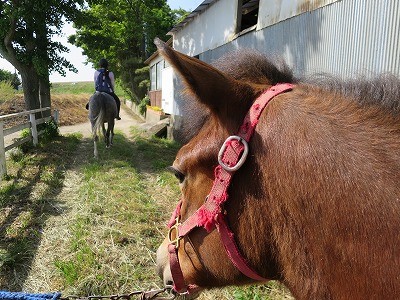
<point>199,152</point>
<point>186,156</point>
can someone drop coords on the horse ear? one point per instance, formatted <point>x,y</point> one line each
<point>213,88</point>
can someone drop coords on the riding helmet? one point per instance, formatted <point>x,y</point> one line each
<point>103,63</point>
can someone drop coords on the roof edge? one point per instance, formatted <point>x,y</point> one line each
<point>202,7</point>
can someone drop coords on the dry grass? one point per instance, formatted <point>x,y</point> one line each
<point>71,107</point>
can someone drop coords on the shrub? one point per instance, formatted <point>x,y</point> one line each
<point>143,105</point>
<point>50,131</point>
<point>156,108</point>
<point>7,92</point>
<point>25,147</point>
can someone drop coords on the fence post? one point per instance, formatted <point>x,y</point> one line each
<point>3,170</point>
<point>56,116</point>
<point>34,132</point>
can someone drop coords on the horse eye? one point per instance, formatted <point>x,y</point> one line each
<point>178,174</point>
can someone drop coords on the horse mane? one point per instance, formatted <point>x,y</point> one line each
<point>251,66</point>
<point>382,90</point>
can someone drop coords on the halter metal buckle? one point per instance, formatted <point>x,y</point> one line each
<point>177,237</point>
<point>242,158</point>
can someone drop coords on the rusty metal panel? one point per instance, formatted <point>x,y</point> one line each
<point>274,11</point>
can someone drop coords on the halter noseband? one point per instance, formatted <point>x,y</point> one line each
<point>231,157</point>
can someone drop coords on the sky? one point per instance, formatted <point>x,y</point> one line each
<point>75,56</point>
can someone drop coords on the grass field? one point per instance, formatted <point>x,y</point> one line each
<point>74,88</point>
<point>77,88</point>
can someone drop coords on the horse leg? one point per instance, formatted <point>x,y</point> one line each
<point>105,135</point>
<point>111,128</point>
<point>108,135</point>
<point>95,139</point>
<point>96,153</point>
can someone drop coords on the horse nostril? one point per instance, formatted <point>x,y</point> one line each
<point>169,282</point>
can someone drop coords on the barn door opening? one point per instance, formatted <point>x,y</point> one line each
<point>247,14</point>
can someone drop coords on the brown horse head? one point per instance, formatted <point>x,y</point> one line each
<point>316,204</point>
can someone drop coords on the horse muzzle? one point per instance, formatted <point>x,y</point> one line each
<point>164,271</point>
<point>163,268</point>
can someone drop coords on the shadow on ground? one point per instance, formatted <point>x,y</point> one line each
<point>27,199</point>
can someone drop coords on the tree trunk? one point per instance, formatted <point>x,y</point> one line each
<point>30,85</point>
<point>44,94</point>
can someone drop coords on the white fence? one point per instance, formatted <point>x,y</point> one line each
<point>32,124</point>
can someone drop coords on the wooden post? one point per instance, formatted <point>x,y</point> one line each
<point>34,132</point>
<point>56,116</point>
<point>3,170</point>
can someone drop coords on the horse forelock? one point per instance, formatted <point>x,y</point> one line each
<point>252,66</point>
<point>255,67</point>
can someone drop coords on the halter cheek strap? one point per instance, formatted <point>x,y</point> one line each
<point>210,215</point>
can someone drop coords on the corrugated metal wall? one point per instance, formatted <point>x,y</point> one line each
<point>346,38</point>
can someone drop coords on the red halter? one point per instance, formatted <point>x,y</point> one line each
<point>231,157</point>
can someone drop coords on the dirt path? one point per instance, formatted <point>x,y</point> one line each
<point>128,119</point>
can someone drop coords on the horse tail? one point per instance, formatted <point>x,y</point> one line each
<point>98,125</point>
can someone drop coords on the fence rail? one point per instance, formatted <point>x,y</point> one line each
<point>32,124</point>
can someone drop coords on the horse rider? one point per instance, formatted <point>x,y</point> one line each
<point>104,81</point>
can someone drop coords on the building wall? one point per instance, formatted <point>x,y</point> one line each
<point>217,25</point>
<point>346,38</point>
<point>274,11</point>
<point>212,28</point>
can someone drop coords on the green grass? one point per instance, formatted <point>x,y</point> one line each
<point>7,92</point>
<point>77,88</point>
<point>122,217</point>
<point>74,88</point>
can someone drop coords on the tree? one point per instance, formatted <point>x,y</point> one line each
<point>26,29</point>
<point>180,14</point>
<point>13,79</point>
<point>124,35</point>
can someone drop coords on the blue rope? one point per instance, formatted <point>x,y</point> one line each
<point>4,295</point>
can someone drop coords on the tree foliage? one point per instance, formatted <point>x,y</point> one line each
<point>123,32</point>
<point>26,31</point>
<point>12,78</point>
